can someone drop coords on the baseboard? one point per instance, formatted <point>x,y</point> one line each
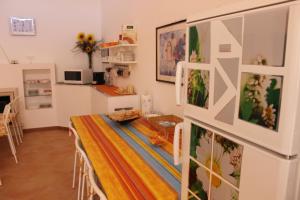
<point>50,128</point>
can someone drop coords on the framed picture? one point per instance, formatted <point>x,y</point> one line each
<point>22,26</point>
<point>170,49</point>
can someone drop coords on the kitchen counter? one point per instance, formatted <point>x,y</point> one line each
<point>74,99</point>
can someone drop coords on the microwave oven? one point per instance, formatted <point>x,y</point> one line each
<point>78,76</point>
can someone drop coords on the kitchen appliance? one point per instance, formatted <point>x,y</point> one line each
<point>240,93</point>
<point>129,34</point>
<point>98,78</point>
<point>78,76</point>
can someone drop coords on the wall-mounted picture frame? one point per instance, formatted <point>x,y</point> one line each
<point>170,49</point>
<point>22,26</point>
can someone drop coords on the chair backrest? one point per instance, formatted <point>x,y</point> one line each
<point>6,113</point>
<point>94,186</point>
<point>14,105</point>
<point>74,132</point>
<point>91,175</point>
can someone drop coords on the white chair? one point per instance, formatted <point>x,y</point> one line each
<point>87,178</point>
<point>94,188</point>
<point>73,131</point>
<point>5,130</point>
<point>16,124</point>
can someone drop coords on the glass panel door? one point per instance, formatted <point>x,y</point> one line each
<point>214,164</point>
<point>265,35</point>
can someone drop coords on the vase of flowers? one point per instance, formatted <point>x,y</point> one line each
<point>87,44</point>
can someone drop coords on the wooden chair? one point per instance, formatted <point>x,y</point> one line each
<point>5,130</point>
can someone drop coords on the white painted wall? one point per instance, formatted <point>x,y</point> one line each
<point>57,24</point>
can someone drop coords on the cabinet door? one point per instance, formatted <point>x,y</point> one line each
<point>219,167</point>
<point>99,102</point>
<point>252,73</point>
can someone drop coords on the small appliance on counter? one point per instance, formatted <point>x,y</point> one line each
<point>98,78</point>
<point>110,76</point>
<point>78,76</point>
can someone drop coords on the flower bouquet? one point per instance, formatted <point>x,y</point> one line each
<point>86,44</point>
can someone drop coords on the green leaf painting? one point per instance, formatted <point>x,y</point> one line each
<point>196,134</point>
<point>260,99</point>
<point>199,43</point>
<point>198,88</point>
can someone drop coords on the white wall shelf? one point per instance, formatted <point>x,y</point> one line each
<point>120,45</point>
<point>37,88</point>
<point>121,54</point>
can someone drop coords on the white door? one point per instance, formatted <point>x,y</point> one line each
<point>219,167</point>
<point>242,75</point>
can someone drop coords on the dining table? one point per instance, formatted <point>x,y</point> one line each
<point>126,163</point>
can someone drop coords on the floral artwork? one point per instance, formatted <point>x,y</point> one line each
<point>223,191</point>
<point>198,88</point>
<point>199,180</point>
<point>199,43</point>
<point>227,159</point>
<point>170,50</point>
<point>260,99</point>
<point>201,145</point>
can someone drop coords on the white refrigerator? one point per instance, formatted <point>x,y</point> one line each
<point>240,88</point>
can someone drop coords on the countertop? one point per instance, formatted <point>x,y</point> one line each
<point>105,89</point>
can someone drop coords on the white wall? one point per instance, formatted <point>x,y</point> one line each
<point>147,15</point>
<point>57,24</point>
<point>11,76</point>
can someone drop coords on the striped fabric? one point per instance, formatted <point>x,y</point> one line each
<point>127,165</point>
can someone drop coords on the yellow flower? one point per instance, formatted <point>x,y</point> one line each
<point>88,49</point>
<point>216,167</point>
<point>80,36</point>
<point>90,38</point>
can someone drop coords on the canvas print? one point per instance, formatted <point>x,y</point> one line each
<point>199,180</point>
<point>198,88</point>
<point>171,46</point>
<point>201,145</point>
<point>260,99</point>
<point>227,159</point>
<point>199,43</point>
<point>222,191</point>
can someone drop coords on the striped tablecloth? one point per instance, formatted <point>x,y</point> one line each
<point>127,165</point>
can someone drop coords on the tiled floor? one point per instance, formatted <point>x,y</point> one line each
<point>44,171</point>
